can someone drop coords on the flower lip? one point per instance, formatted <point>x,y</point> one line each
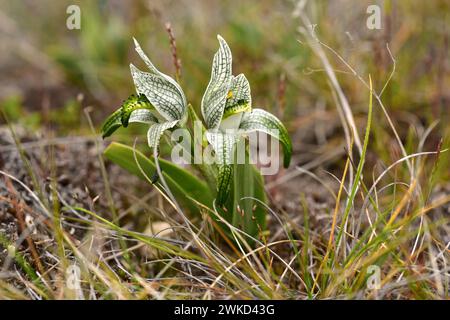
<point>231,122</point>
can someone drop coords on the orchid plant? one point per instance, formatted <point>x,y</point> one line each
<point>227,110</point>
<point>228,116</point>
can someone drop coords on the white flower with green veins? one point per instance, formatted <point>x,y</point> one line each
<point>226,109</point>
<point>160,102</point>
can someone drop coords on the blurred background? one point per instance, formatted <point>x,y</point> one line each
<point>54,81</point>
<point>49,73</point>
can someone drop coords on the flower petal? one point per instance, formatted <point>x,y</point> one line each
<point>223,145</point>
<point>240,99</point>
<point>160,89</point>
<point>155,132</point>
<point>214,99</point>
<point>123,115</point>
<point>261,120</point>
<point>142,116</point>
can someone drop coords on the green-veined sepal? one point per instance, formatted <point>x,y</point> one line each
<point>144,116</point>
<point>161,90</point>
<point>214,99</point>
<point>223,145</point>
<point>261,120</point>
<point>155,132</point>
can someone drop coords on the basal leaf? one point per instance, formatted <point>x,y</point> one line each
<point>224,180</point>
<point>249,197</point>
<point>183,184</point>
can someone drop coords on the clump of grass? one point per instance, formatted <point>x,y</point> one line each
<point>397,227</point>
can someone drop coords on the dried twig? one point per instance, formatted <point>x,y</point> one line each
<point>173,49</point>
<point>18,211</point>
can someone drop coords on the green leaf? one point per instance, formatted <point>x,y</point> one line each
<point>224,180</point>
<point>161,90</point>
<point>155,132</point>
<point>249,197</point>
<point>261,120</point>
<point>214,99</point>
<point>223,145</point>
<point>182,183</point>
